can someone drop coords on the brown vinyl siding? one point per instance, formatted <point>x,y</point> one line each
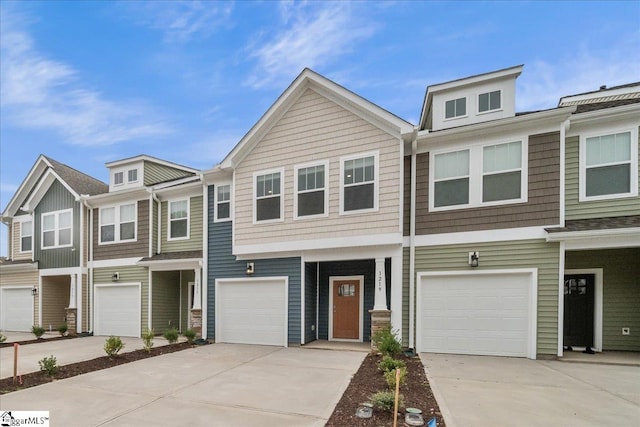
<point>155,173</point>
<point>165,300</point>
<point>139,248</point>
<point>55,300</point>
<point>542,207</point>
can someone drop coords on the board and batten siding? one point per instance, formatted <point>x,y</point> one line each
<point>16,227</point>
<point>502,255</point>
<point>22,278</point>
<point>620,293</point>
<point>317,129</point>
<point>155,173</point>
<point>165,300</point>
<point>57,198</point>
<point>194,242</point>
<point>575,209</point>
<point>139,248</point>
<point>128,274</point>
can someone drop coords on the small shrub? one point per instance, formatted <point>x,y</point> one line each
<point>113,345</point>
<point>62,329</point>
<point>385,400</point>
<point>3,338</point>
<point>388,363</point>
<point>38,331</point>
<point>390,378</point>
<point>147,339</point>
<point>49,365</point>
<point>190,335</point>
<point>386,342</point>
<point>171,335</point>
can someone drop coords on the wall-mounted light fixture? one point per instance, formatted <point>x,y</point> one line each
<point>34,291</point>
<point>250,268</point>
<point>115,277</point>
<point>474,259</point>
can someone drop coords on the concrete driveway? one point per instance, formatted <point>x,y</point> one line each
<point>214,385</point>
<point>501,391</point>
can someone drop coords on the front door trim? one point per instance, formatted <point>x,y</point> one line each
<point>360,280</point>
<point>597,305</point>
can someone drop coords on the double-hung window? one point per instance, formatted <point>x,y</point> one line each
<point>26,236</point>
<point>132,175</point>
<point>489,101</point>
<point>502,172</point>
<point>608,166</point>
<point>311,190</point>
<point>179,219</point>
<point>455,108</point>
<point>223,202</point>
<point>451,179</point>
<point>118,223</point>
<point>268,196</point>
<point>359,182</point>
<point>56,229</point>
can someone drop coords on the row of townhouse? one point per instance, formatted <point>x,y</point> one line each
<point>480,231</point>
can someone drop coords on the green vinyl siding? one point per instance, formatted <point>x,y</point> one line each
<point>592,209</point>
<point>620,293</point>
<point>129,274</point>
<point>165,304</point>
<point>155,173</point>
<point>496,256</point>
<point>194,242</point>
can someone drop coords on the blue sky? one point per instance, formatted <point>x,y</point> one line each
<point>91,82</point>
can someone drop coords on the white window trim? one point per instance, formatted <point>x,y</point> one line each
<point>137,175</point>
<point>376,182</point>
<point>324,163</point>
<point>117,224</point>
<point>444,109</point>
<point>188,200</point>
<point>20,237</point>
<point>476,173</point>
<point>255,198</point>
<point>56,229</point>
<point>114,178</point>
<point>582,184</point>
<point>215,202</point>
<point>479,113</point>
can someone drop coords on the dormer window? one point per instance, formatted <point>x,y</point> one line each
<point>455,108</point>
<point>132,175</point>
<point>489,101</point>
<point>118,178</point>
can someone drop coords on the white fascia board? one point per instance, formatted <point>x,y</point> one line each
<point>62,271</point>
<point>185,190</point>
<point>27,184</point>
<point>172,264</point>
<point>594,239</point>
<point>483,236</point>
<point>146,158</point>
<point>43,186</point>
<point>216,175</point>
<point>117,197</point>
<point>115,262</point>
<point>263,250</point>
<point>630,111</point>
<point>511,72</point>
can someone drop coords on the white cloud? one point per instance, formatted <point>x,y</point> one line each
<point>8,188</point>
<point>38,92</point>
<point>311,35</point>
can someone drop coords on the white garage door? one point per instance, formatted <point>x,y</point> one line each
<point>252,311</point>
<point>17,309</point>
<point>117,310</point>
<point>483,314</point>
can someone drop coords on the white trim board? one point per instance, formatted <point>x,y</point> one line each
<point>483,236</point>
<point>360,307</point>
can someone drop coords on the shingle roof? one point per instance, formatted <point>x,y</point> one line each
<point>169,256</point>
<point>597,224</point>
<point>80,182</point>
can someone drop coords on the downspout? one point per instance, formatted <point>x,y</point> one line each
<point>205,255</point>
<point>412,242</point>
<point>159,225</point>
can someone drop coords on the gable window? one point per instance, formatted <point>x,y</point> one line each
<point>311,191</point>
<point>132,175</point>
<point>489,101</point>
<point>223,202</point>
<point>118,178</point>
<point>359,183</point>
<point>179,219</point>
<point>608,166</point>
<point>118,223</point>
<point>451,179</point>
<point>56,229</point>
<point>26,236</point>
<point>501,171</point>
<point>455,108</point>
<point>268,198</point>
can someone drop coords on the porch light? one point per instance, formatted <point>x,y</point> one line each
<point>34,291</point>
<point>115,277</point>
<point>474,259</point>
<point>250,268</point>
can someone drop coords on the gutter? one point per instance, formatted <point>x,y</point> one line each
<point>86,204</point>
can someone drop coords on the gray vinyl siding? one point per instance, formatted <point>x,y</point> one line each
<point>223,264</point>
<point>505,255</point>
<point>155,173</point>
<point>592,209</point>
<point>186,276</point>
<point>194,242</point>
<point>57,198</point>
<point>129,274</point>
<point>165,300</point>
<point>139,248</point>
<point>310,301</point>
<point>620,293</point>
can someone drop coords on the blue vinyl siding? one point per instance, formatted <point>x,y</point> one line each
<point>310,301</point>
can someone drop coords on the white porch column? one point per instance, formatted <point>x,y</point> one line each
<point>197,291</point>
<point>380,296</point>
<point>72,292</point>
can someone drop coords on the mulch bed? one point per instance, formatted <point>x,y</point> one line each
<point>35,341</point>
<point>368,380</point>
<point>73,369</point>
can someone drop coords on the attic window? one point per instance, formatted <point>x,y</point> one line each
<point>118,178</point>
<point>489,101</point>
<point>455,108</point>
<point>132,175</point>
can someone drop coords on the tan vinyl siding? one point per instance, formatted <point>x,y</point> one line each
<point>593,209</point>
<point>155,173</point>
<point>15,244</point>
<point>316,129</point>
<point>23,278</point>
<point>139,248</point>
<point>620,293</point>
<point>505,255</point>
<point>129,274</point>
<point>55,300</point>
<point>165,300</point>
<point>194,242</point>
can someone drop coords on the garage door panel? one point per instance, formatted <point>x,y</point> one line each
<point>17,309</point>
<point>117,310</point>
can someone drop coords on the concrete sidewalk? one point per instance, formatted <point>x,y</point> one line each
<point>501,391</point>
<point>213,385</point>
